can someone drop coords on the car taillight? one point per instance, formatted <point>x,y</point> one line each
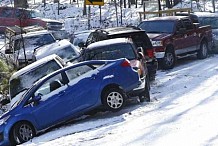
<point>150,53</point>
<point>125,63</point>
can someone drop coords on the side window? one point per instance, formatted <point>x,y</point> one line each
<point>179,25</point>
<point>188,24</point>
<point>78,71</point>
<point>49,87</point>
<point>9,13</point>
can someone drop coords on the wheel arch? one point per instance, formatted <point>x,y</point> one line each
<point>21,121</point>
<point>112,85</point>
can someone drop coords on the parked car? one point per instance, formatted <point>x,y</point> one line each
<point>139,37</point>
<point>10,16</point>
<point>121,48</point>
<point>177,36</point>
<point>80,37</point>
<point>64,49</point>
<point>20,47</point>
<point>23,79</point>
<point>207,18</point>
<point>68,93</point>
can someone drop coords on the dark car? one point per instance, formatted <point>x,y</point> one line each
<point>66,94</point>
<point>139,37</point>
<point>121,48</point>
<point>10,16</point>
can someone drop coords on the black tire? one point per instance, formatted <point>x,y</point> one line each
<point>145,95</point>
<point>113,99</point>
<point>203,52</point>
<point>169,60</point>
<point>22,132</point>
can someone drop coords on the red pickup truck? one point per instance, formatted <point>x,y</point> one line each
<point>176,36</point>
<point>10,16</point>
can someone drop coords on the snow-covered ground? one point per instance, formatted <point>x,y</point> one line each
<point>183,112</point>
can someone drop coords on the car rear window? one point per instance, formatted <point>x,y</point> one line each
<point>111,52</point>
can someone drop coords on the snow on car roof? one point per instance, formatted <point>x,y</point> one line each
<point>108,42</point>
<point>33,65</point>
<point>206,14</point>
<point>29,34</point>
<point>53,48</point>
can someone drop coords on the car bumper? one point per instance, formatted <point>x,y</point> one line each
<point>138,90</point>
<point>4,139</point>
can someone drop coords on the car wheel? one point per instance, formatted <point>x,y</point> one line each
<point>22,132</point>
<point>203,52</point>
<point>114,99</point>
<point>169,59</point>
<point>145,95</point>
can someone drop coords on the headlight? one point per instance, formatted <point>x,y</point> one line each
<point>157,43</point>
<point>2,121</point>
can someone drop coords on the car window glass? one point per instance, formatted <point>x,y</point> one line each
<point>28,78</point>
<point>78,71</point>
<point>50,87</point>
<point>67,53</point>
<point>111,52</point>
<point>188,24</point>
<point>9,13</point>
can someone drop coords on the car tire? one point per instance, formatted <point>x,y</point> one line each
<point>203,52</point>
<point>22,132</point>
<point>114,99</point>
<point>145,95</point>
<point>168,62</point>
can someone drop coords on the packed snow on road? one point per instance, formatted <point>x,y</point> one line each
<point>183,111</point>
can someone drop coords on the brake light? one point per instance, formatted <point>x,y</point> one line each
<point>125,63</point>
<point>150,53</point>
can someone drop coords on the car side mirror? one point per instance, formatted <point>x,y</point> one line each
<point>141,55</point>
<point>36,99</point>
<point>8,51</point>
<point>140,49</point>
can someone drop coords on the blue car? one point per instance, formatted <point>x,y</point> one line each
<point>68,93</point>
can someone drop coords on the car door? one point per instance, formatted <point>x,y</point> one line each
<point>54,105</point>
<point>84,84</point>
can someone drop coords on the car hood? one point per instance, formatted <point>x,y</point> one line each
<point>49,20</point>
<point>158,36</point>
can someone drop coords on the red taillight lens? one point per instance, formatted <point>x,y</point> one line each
<point>125,63</point>
<point>150,53</point>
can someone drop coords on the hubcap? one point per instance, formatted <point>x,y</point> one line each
<point>204,50</point>
<point>169,59</point>
<point>115,100</point>
<point>25,132</point>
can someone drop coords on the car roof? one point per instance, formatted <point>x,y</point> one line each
<point>33,65</point>
<point>108,42</point>
<point>206,14</point>
<point>120,30</point>
<point>170,18</point>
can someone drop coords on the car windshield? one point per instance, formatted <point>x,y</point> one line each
<point>212,21</point>
<point>78,38</point>
<point>157,26</point>
<point>111,52</point>
<point>35,41</point>
<point>27,79</point>
<point>68,53</point>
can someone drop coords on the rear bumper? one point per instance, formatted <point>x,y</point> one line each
<point>138,90</point>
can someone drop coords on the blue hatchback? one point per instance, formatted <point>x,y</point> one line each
<point>66,94</point>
